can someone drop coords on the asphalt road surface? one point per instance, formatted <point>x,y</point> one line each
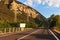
<point>35,34</point>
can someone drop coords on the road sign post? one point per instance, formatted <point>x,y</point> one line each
<point>22,26</point>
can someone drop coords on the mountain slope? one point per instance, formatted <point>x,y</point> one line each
<point>5,13</point>
<point>17,11</point>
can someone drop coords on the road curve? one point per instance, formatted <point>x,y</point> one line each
<point>35,34</point>
<point>42,34</point>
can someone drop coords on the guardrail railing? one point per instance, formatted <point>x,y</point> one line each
<point>12,30</point>
<point>9,30</point>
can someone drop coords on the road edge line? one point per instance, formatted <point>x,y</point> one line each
<point>54,35</point>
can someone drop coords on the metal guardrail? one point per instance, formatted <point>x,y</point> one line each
<point>9,30</point>
<point>12,30</point>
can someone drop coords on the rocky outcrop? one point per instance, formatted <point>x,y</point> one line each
<point>19,11</point>
<point>17,7</point>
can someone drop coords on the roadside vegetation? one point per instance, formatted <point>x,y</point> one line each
<point>54,22</point>
<point>7,24</point>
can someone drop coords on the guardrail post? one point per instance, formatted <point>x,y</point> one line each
<point>5,30</point>
<point>19,29</point>
<point>16,29</point>
<point>0,31</point>
<point>22,29</point>
<point>9,30</point>
<point>13,29</point>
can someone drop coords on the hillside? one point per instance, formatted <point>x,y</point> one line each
<point>5,13</point>
<point>17,11</point>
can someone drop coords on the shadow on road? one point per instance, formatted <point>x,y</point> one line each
<point>44,34</point>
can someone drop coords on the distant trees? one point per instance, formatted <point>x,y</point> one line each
<point>54,20</point>
<point>57,18</point>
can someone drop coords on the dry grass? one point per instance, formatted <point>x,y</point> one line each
<point>28,28</point>
<point>56,29</point>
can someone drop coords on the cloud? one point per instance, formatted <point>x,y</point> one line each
<point>54,3</point>
<point>38,1</point>
<point>28,2</point>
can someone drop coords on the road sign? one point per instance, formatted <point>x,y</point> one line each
<point>22,25</point>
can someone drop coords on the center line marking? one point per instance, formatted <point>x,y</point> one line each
<point>28,35</point>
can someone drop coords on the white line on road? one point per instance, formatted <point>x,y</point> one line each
<point>28,35</point>
<point>54,35</point>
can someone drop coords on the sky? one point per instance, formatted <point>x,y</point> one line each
<point>45,7</point>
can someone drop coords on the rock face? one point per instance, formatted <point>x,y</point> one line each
<point>5,1</point>
<point>19,10</point>
<point>18,7</point>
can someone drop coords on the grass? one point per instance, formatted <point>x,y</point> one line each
<point>28,28</point>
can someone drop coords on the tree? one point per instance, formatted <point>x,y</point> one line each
<point>57,18</point>
<point>4,24</point>
<point>52,20</point>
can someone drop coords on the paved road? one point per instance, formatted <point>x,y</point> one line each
<point>35,34</point>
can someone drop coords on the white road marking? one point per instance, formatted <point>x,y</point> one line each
<point>54,35</point>
<point>28,35</point>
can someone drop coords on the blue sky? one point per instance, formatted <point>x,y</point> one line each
<point>45,7</point>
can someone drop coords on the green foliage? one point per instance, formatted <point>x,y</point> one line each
<point>54,20</point>
<point>29,24</point>
<point>14,24</point>
<point>4,24</point>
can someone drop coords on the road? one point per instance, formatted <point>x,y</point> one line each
<point>35,34</point>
